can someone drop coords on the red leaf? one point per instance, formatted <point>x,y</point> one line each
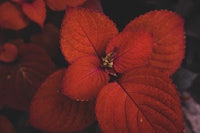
<point>20,79</point>
<point>11,17</point>
<point>150,76</point>
<point>131,49</point>
<point>48,39</point>
<point>18,1</point>
<point>35,11</point>
<point>169,39</point>
<point>140,107</point>
<point>8,52</point>
<point>93,4</point>
<point>53,112</point>
<point>85,33</point>
<point>5,125</point>
<point>84,79</point>
<point>74,3</point>
<point>58,5</point>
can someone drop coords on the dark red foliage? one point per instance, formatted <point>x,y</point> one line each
<point>20,79</point>
<point>144,100</point>
<point>5,125</point>
<point>51,111</point>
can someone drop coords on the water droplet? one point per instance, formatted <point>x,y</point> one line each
<point>58,91</point>
<point>8,77</point>
<point>141,120</point>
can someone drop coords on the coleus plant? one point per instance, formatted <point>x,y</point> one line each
<point>122,79</point>
<point>22,70</point>
<point>62,5</point>
<point>21,12</point>
<point>59,5</point>
<point>5,125</point>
